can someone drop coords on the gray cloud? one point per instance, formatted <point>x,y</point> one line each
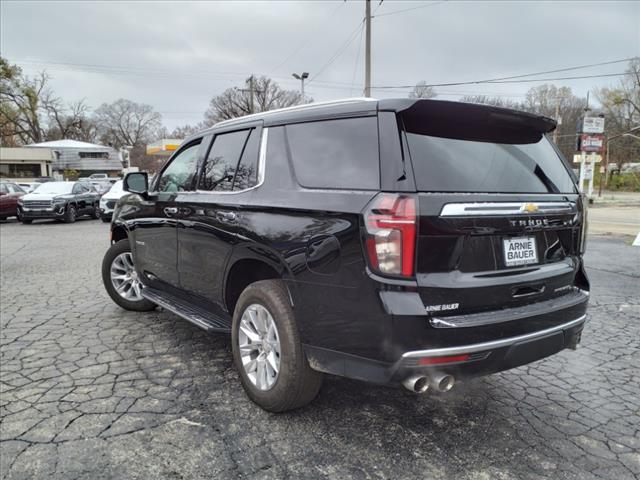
<point>175,56</point>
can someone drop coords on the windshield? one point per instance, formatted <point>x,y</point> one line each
<point>55,187</point>
<point>117,187</point>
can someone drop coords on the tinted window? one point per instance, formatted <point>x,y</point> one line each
<point>220,166</point>
<point>454,165</point>
<point>181,172</point>
<point>247,172</point>
<point>336,153</point>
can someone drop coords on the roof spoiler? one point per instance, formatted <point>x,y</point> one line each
<point>471,121</point>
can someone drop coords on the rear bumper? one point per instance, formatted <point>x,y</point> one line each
<point>477,359</point>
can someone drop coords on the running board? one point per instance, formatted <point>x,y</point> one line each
<point>196,315</point>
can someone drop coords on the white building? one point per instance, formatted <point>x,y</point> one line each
<point>26,164</point>
<point>86,158</point>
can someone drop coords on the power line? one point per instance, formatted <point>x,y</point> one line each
<point>355,66</point>
<point>408,9</point>
<point>310,38</point>
<point>476,82</point>
<point>499,79</point>
<point>352,36</point>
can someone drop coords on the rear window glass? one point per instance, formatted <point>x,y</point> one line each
<point>456,165</point>
<point>336,153</point>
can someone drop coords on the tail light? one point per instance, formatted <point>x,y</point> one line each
<point>584,226</point>
<point>390,223</point>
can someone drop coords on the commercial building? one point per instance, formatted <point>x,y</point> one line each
<point>85,158</point>
<point>26,164</point>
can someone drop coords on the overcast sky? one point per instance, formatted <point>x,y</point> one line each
<point>176,55</point>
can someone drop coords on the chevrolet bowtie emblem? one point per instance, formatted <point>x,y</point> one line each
<point>529,208</point>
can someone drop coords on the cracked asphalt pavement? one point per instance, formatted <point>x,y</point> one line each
<point>89,391</point>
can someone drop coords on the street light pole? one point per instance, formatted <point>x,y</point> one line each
<point>302,78</point>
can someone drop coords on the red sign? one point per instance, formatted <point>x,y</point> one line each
<point>591,143</point>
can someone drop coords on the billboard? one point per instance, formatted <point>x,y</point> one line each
<point>591,143</point>
<point>593,125</point>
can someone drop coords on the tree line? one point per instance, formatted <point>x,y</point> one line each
<point>30,112</point>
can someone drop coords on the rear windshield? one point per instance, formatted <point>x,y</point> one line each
<point>454,165</point>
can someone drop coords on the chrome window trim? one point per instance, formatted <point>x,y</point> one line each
<point>504,208</point>
<point>262,156</point>
<point>505,342</point>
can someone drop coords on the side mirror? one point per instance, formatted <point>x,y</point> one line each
<point>136,182</point>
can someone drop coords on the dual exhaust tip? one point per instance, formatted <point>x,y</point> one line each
<point>422,384</point>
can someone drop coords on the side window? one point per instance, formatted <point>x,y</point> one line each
<point>219,170</point>
<point>336,153</point>
<point>76,189</point>
<point>179,175</point>
<point>3,188</point>
<point>247,173</point>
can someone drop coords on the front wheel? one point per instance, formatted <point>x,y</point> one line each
<point>70,214</point>
<point>121,279</point>
<point>267,350</point>
<point>95,214</point>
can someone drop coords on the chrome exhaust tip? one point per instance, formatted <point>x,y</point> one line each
<point>416,384</point>
<point>443,383</point>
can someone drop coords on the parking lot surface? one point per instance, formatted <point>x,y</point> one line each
<point>89,391</point>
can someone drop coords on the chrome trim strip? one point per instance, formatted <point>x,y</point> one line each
<point>544,307</point>
<point>505,342</point>
<point>504,208</point>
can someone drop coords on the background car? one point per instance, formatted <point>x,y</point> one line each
<point>109,200</point>
<point>61,201</point>
<point>101,187</point>
<point>9,195</point>
<point>29,187</point>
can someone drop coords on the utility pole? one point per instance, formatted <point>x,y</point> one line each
<point>367,54</point>
<point>251,89</point>
<point>555,132</point>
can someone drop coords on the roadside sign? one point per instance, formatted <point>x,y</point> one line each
<point>588,171</point>
<point>577,158</point>
<point>591,143</point>
<point>593,125</point>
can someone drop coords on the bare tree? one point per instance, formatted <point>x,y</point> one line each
<point>495,101</point>
<point>31,113</point>
<point>258,95</point>
<point>422,90</point>
<point>621,108</point>
<point>124,122</point>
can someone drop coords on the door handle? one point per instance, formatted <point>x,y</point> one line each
<point>226,216</point>
<point>170,211</point>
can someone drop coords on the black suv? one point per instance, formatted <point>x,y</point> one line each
<point>412,242</point>
<point>64,201</point>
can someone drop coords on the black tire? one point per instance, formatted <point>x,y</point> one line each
<point>70,214</point>
<point>96,212</point>
<point>26,221</point>
<point>116,249</point>
<point>105,219</point>
<point>297,384</point>
<point>19,214</point>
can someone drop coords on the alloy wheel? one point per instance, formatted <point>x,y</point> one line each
<point>125,278</point>
<point>259,346</point>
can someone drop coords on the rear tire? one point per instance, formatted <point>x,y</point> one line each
<point>117,249</point>
<point>70,214</point>
<point>96,212</point>
<point>296,384</point>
